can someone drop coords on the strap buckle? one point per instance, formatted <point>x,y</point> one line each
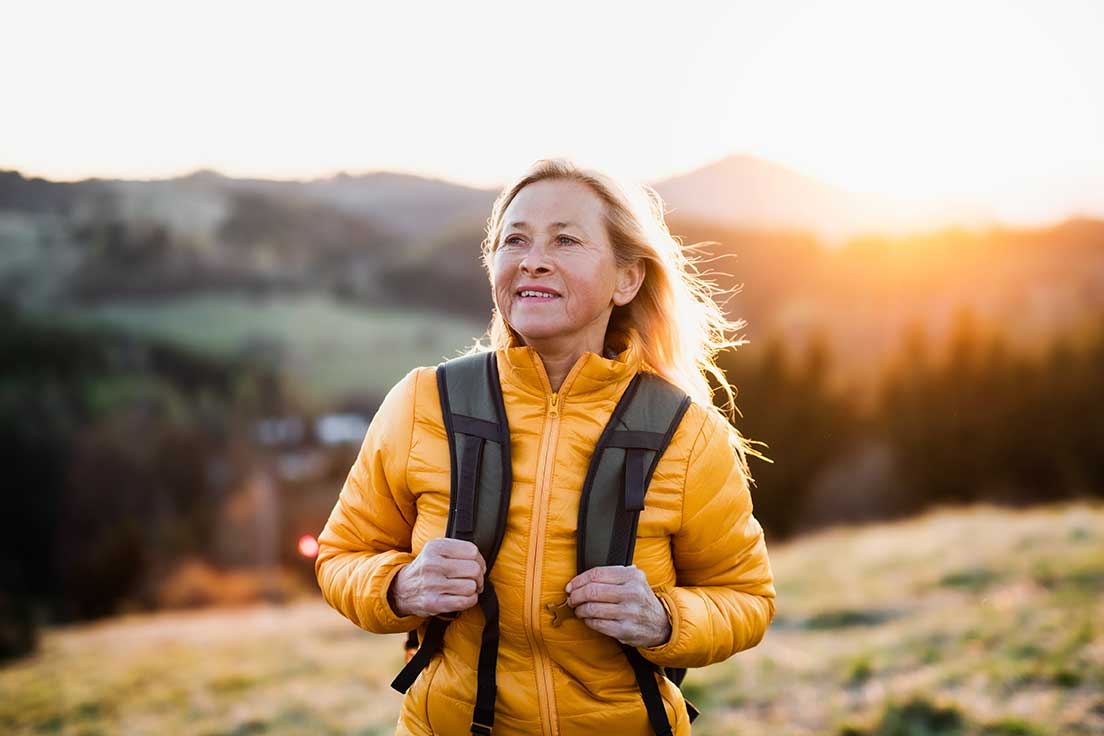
<point>482,729</point>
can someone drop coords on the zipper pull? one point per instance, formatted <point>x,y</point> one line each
<point>560,611</point>
<point>555,398</point>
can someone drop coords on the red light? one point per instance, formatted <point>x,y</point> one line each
<point>308,546</point>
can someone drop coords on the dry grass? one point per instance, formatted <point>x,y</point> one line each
<point>983,621</point>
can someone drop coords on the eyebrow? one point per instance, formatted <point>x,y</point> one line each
<point>519,225</point>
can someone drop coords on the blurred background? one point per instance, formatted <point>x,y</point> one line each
<point>226,230</point>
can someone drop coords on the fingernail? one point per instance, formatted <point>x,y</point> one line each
<point>568,588</point>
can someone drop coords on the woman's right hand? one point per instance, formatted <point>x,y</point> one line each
<point>446,576</point>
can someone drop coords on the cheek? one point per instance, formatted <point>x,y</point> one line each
<point>596,292</point>
<point>499,275</point>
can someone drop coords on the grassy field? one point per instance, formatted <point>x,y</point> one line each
<point>977,621</point>
<point>329,349</point>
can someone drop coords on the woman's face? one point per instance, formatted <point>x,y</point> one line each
<point>554,241</point>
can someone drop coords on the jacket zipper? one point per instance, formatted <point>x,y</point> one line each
<point>545,687</point>
<point>535,566</point>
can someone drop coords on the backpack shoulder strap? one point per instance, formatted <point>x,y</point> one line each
<point>626,456</point>
<point>617,480</point>
<point>479,451</point>
<point>478,435</point>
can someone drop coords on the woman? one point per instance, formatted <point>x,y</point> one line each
<point>589,288</point>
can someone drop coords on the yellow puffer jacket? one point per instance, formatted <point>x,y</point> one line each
<point>698,543</point>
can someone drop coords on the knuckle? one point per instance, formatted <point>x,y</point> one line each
<point>431,603</point>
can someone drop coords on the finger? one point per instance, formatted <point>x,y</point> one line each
<point>612,574</point>
<point>482,564</point>
<point>598,592</point>
<point>463,569</point>
<point>459,586</point>
<point>609,611</point>
<point>458,549</point>
<point>446,603</point>
<point>605,626</point>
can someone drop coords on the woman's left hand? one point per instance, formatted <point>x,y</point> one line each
<point>617,601</point>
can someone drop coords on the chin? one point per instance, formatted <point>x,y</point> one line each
<point>530,335</point>
<point>537,328</point>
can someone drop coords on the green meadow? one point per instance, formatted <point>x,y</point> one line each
<point>325,349</point>
<point>979,621</point>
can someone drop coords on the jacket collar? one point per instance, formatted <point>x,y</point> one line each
<point>592,378</point>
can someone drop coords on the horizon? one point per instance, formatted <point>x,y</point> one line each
<point>976,224</point>
<point>350,92</point>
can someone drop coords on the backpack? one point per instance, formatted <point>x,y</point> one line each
<point>612,498</point>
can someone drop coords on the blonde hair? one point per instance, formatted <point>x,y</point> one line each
<point>674,320</point>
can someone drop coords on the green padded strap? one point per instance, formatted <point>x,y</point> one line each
<point>479,451</point>
<point>627,453</point>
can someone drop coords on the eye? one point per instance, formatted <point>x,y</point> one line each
<point>570,241</point>
<point>512,240</point>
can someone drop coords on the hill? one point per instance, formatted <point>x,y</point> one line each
<point>396,242</point>
<point>959,622</point>
<point>742,191</point>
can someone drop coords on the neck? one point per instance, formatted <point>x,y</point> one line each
<point>559,359</point>
<point>558,365</point>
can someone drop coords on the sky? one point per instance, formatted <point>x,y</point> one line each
<point>993,104</point>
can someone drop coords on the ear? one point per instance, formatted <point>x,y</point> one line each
<point>629,280</point>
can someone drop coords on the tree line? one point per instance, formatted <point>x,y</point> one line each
<point>121,453</point>
<point>970,420</point>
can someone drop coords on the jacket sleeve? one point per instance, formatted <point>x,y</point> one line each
<point>723,599</point>
<point>366,540</point>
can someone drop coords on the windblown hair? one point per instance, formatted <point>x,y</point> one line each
<point>674,319</point>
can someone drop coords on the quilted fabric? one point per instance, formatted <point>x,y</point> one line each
<point>698,542</point>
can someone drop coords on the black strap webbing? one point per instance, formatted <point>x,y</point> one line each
<point>634,479</point>
<point>633,438</point>
<point>487,688</point>
<point>431,644</point>
<point>649,690</point>
<point>476,427</point>
<point>471,465</point>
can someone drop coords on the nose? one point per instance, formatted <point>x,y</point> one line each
<point>536,259</point>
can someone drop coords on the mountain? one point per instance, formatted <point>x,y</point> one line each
<point>97,243</point>
<point>410,207</point>
<point>748,192</point>
<point>739,191</point>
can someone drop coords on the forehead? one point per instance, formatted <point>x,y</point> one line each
<point>543,203</point>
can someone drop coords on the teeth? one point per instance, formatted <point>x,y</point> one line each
<point>538,293</point>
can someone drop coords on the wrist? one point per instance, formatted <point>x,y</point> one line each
<point>666,628</point>
<point>394,593</point>
<point>666,636</point>
<point>662,637</point>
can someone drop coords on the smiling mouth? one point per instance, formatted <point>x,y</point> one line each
<point>536,296</point>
